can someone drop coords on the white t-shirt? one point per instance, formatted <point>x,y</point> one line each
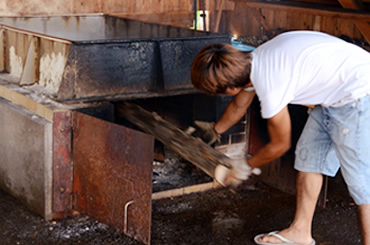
<point>308,68</point>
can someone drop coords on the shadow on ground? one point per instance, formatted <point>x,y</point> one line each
<point>214,217</point>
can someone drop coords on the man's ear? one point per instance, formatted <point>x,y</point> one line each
<point>248,85</point>
<point>233,91</point>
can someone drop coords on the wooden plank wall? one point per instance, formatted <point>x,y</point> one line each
<point>290,20</point>
<point>176,12</point>
<point>247,20</point>
<point>44,7</point>
<point>238,17</point>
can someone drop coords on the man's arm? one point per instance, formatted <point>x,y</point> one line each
<point>279,129</point>
<point>235,110</point>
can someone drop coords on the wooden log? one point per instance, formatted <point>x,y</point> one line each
<point>188,147</point>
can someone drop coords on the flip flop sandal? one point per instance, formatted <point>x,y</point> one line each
<point>283,239</point>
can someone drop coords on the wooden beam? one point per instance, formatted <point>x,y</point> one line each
<point>12,93</point>
<point>218,20</point>
<point>27,99</point>
<point>352,4</point>
<point>311,9</point>
<point>186,190</point>
<point>362,25</point>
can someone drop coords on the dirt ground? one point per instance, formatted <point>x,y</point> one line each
<point>212,217</point>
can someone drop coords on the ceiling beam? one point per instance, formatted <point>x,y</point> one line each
<point>311,9</point>
<point>352,4</point>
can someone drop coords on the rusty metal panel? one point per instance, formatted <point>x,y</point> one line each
<point>113,175</point>
<point>62,161</point>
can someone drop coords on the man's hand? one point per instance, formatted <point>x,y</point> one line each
<point>205,131</point>
<point>234,176</point>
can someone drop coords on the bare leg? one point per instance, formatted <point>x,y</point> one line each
<point>364,212</point>
<point>308,190</point>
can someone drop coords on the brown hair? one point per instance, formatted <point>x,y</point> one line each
<point>220,66</point>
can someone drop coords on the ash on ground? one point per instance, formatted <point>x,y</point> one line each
<point>175,172</point>
<point>20,226</point>
<point>215,217</point>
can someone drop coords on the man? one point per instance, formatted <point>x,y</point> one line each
<point>306,68</point>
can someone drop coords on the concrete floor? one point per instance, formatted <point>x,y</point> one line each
<point>212,217</point>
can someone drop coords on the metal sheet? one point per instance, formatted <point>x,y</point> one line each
<point>99,28</point>
<point>177,57</point>
<point>97,71</point>
<point>113,175</point>
<point>62,161</point>
<point>100,57</point>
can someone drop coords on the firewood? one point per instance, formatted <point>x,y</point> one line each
<point>188,147</point>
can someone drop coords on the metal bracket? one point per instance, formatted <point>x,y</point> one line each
<point>125,221</point>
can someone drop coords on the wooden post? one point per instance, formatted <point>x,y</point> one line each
<point>218,20</point>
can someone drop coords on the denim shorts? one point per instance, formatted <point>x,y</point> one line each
<point>339,137</point>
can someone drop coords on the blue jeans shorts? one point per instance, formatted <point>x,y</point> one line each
<point>339,137</point>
